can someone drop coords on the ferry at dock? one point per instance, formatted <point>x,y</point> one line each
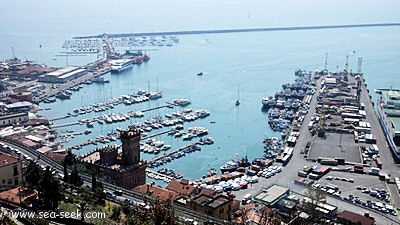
<point>121,65</point>
<point>388,111</point>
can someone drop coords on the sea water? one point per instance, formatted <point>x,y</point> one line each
<point>258,63</point>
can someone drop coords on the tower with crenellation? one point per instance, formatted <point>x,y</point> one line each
<point>130,146</point>
<point>125,169</point>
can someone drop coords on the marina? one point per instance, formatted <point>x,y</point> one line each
<point>246,109</point>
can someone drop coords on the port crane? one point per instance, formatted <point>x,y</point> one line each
<point>15,57</point>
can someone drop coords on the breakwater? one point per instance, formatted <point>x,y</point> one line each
<point>191,32</point>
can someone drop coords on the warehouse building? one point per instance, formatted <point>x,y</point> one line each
<point>63,75</point>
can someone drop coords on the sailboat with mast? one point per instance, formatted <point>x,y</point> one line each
<point>237,100</point>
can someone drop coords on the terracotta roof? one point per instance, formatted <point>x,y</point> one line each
<point>182,187</point>
<point>56,156</point>
<point>29,143</point>
<point>355,218</point>
<point>14,195</point>
<point>44,149</point>
<point>7,159</point>
<point>157,192</point>
<point>207,192</point>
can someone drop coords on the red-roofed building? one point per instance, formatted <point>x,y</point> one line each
<point>156,192</point>
<point>253,214</point>
<point>219,206</point>
<point>44,149</point>
<point>31,144</point>
<point>18,195</point>
<point>183,187</point>
<point>207,192</point>
<point>351,218</point>
<point>10,171</point>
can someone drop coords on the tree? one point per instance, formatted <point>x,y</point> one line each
<point>69,159</point>
<point>99,196</point>
<point>66,177</point>
<point>32,175</point>
<point>75,179</point>
<point>94,182</point>
<point>116,213</point>
<point>50,193</point>
<point>161,213</point>
<point>315,196</point>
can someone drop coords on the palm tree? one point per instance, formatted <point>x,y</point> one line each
<point>50,192</point>
<point>32,174</point>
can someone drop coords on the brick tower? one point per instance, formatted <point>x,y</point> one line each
<point>130,146</point>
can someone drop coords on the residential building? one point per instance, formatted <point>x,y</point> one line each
<point>10,172</point>
<point>219,206</point>
<point>160,193</point>
<point>11,119</point>
<point>347,217</point>
<point>182,187</point>
<point>18,195</point>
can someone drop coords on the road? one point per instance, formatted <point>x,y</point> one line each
<point>135,196</point>
<point>297,163</point>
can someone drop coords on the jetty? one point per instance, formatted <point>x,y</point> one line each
<point>172,152</point>
<point>221,31</point>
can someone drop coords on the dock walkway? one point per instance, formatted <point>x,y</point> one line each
<point>192,32</point>
<point>172,152</point>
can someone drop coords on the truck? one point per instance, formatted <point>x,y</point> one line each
<point>310,125</point>
<point>246,199</point>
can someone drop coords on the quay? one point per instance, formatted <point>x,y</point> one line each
<point>160,175</point>
<point>156,134</point>
<point>94,118</point>
<point>172,152</point>
<point>65,125</point>
<point>191,32</point>
<point>331,150</point>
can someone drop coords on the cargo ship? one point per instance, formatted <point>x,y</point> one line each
<point>388,111</point>
<point>121,65</point>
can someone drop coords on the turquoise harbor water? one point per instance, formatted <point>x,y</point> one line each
<point>258,62</point>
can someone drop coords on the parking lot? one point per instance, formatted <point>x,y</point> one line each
<point>335,145</point>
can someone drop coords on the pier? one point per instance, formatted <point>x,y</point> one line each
<point>160,175</point>
<point>172,152</point>
<point>267,29</point>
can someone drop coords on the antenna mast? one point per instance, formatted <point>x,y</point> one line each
<point>359,64</point>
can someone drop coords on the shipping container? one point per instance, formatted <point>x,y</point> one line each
<point>314,176</point>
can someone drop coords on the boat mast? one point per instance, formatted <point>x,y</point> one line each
<point>238,91</point>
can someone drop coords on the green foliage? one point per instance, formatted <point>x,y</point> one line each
<point>50,192</point>
<point>99,196</point>
<point>94,182</point>
<point>116,213</point>
<point>127,210</point>
<point>161,213</point>
<point>69,159</point>
<point>32,175</point>
<point>42,221</point>
<point>74,178</point>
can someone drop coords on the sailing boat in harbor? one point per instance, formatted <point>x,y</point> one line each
<point>237,101</point>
